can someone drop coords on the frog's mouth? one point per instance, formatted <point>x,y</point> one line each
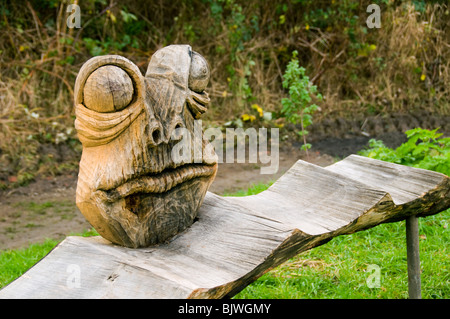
<point>158,183</point>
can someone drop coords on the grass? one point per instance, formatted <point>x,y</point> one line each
<point>36,208</point>
<point>63,208</point>
<point>339,269</point>
<point>252,190</point>
<point>13,263</point>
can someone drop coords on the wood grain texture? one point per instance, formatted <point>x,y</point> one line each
<point>108,89</point>
<point>131,188</point>
<point>236,240</point>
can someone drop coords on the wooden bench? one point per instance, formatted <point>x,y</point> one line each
<point>235,240</point>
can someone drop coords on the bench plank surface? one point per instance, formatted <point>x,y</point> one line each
<point>237,239</point>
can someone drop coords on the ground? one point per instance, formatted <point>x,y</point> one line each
<point>46,208</point>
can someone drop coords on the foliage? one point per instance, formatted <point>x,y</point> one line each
<point>424,149</point>
<point>298,108</point>
<point>257,118</point>
<point>247,43</point>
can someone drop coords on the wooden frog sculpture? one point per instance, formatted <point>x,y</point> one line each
<point>130,187</point>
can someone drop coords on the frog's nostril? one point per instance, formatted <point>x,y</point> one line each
<point>156,135</point>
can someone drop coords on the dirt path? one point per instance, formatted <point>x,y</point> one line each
<point>46,208</point>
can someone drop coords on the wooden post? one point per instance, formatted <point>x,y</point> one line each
<point>413,257</point>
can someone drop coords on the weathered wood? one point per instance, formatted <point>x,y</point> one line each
<point>410,189</point>
<point>131,187</point>
<point>108,89</point>
<point>413,257</point>
<point>236,240</point>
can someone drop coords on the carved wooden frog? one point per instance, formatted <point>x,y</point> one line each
<point>130,187</point>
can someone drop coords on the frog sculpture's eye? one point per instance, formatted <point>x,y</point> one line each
<point>198,73</point>
<point>108,89</point>
<point>198,79</point>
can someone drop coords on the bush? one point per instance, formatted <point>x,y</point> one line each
<point>299,108</point>
<point>401,67</point>
<point>424,149</point>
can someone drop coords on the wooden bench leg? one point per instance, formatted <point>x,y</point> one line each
<point>413,257</point>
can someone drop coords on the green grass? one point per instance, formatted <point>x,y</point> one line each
<point>252,190</point>
<point>13,263</point>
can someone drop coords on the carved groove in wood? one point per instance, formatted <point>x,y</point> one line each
<point>130,188</point>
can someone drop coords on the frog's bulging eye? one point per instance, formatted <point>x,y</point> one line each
<point>108,89</point>
<point>198,73</point>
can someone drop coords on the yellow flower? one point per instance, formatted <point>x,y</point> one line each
<point>246,117</point>
<point>307,27</point>
<point>422,77</point>
<point>258,109</point>
<point>111,16</point>
<point>224,93</point>
<point>372,47</point>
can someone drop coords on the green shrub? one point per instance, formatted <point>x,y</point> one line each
<point>299,107</point>
<point>424,149</point>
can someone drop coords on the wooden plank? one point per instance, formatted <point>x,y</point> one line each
<point>217,249</point>
<point>403,183</point>
<point>410,188</point>
<point>314,200</point>
<point>236,240</point>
